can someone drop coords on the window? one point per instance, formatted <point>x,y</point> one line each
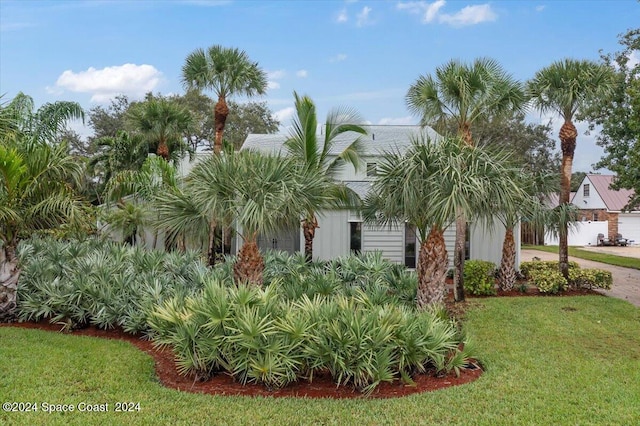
<point>595,216</point>
<point>372,169</point>
<point>355,237</point>
<point>409,246</point>
<point>585,190</point>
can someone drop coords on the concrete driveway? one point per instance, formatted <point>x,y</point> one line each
<point>626,281</point>
<point>628,251</point>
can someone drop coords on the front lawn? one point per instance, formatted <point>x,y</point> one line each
<point>548,360</point>
<point>610,259</point>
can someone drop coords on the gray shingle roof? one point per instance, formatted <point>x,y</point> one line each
<point>378,139</point>
<point>360,187</point>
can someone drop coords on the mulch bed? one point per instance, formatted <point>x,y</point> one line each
<point>321,387</point>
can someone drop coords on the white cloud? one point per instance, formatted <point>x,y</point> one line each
<point>302,73</point>
<point>275,75</point>
<point>363,18</point>
<point>284,114</point>
<point>431,12</point>
<point>338,58</point>
<point>273,85</point>
<point>400,121</point>
<point>634,59</point>
<point>103,84</point>
<point>470,15</point>
<point>342,16</point>
<point>540,8</point>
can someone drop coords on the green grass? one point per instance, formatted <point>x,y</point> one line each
<point>610,259</point>
<point>549,360</point>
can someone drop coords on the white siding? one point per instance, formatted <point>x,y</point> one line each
<point>332,237</point>
<point>387,240</point>
<point>486,244</point>
<point>593,201</point>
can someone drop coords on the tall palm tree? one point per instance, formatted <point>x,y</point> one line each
<point>564,88</point>
<point>35,173</point>
<point>465,93</point>
<point>317,156</point>
<point>226,71</point>
<point>430,170</point>
<point>163,123</point>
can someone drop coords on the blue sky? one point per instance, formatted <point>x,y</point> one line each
<point>360,54</point>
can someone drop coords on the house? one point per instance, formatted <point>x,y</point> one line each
<point>343,232</point>
<point>598,203</point>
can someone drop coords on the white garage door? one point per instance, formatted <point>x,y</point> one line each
<point>629,226</point>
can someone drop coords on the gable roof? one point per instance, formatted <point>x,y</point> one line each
<point>615,200</point>
<point>379,139</point>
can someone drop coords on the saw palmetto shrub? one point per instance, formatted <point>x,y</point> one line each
<point>258,336</point>
<point>101,283</point>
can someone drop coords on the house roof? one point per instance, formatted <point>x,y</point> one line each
<point>360,187</point>
<point>615,200</point>
<point>378,140</point>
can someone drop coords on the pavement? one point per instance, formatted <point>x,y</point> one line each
<point>626,281</point>
<point>628,251</point>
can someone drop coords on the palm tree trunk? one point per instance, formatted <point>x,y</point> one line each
<point>163,149</point>
<point>507,275</point>
<point>221,111</point>
<point>433,262</point>
<point>568,135</point>
<point>249,264</point>
<point>458,259</point>
<point>9,274</point>
<point>309,226</point>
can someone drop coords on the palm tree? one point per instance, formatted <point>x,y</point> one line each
<point>465,93</point>
<point>163,123</point>
<point>318,158</point>
<point>35,177</point>
<point>564,88</point>
<point>430,170</point>
<point>227,72</point>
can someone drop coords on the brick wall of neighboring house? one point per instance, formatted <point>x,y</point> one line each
<point>613,225</point>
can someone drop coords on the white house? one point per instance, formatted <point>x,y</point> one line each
<point>342,232</point>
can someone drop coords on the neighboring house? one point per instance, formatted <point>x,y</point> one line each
<point>598,203</point>
<point>342,232</point>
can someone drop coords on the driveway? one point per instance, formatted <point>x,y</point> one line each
<point>626,281</point>
<point>628,251</point>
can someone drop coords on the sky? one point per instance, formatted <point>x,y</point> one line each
<point>358,54</point>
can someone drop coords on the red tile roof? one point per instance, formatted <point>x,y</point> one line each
<point>614,200</point>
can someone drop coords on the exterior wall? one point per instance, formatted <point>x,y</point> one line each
<point>613,225</point>
<point>629,226</point>
<point>593,201</point>
<point>388,240</point>
<point>486,244</point>
<point>332,236</point>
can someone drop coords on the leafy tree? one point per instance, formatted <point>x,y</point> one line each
<point>576,180</point>
<point>316,157</point>
<point>250,117</point>
<point>108,122</point>
<point>227,72</point>
<point>433,168</point>
<point>34,176</point>
<point>619,116</point>
<point>465,93</point>
<point>565,87</point>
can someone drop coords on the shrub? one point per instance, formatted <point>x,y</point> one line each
<point>479,277</point>
<point>548,280</point>
<point>526,268</point>
<point>590,278</point>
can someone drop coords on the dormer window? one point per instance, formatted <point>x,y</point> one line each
<point>585,190</point>
<point>372,169</point>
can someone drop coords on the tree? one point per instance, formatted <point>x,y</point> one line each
<point>108,122</point>
<point>227,72</point>
<point>251,117</point>
<point>318,158</point>
<point>433,170</point>
<point>260,193</point>
<point>465,93</point>
<point>619,116</point>
<point>163,124</point>
<point>565,87</point>
<point>34,176</point>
